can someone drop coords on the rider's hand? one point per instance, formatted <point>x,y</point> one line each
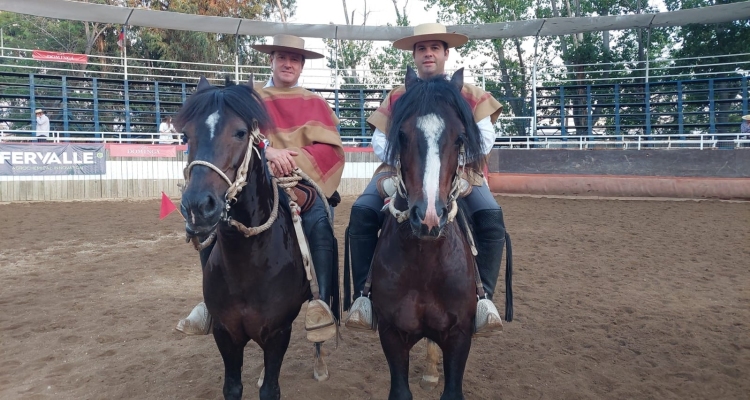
<point>281,161</point>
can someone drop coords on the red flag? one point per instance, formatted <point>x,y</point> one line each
<point>167,207</point>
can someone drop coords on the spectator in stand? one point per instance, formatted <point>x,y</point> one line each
<point>745,129</point>
<point>42,126</point>
<point>166,131</point>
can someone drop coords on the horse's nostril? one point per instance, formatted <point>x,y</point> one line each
<point>209,206</point>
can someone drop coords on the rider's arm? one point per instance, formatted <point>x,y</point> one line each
<point>379,143</point>
<point>488,134</point>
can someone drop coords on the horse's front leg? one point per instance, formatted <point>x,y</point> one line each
<point>231,353</point>
<point>273,355</point>
<point>431,376</point>
<point>455,353</point>
<point>396,351</point>
<point>320,369</point>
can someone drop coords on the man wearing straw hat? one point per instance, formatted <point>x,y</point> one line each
<point>430,46</point>
<point>42,126</point>
<point>305,136</point>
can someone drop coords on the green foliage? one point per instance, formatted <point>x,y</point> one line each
<point>22,31</point>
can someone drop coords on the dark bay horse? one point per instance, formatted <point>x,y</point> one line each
<point>254,282</point>
<point>423,273</point>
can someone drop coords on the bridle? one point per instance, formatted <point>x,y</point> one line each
<point>402,216</point>
<point>255,143</point>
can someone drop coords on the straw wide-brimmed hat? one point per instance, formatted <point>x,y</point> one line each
<point>746,117</point>
<point>38,111</point>
<point>431,31</point>
<point>292,44</point>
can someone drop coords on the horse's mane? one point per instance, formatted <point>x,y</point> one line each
<point>425,96</point>
<point>241,100</point>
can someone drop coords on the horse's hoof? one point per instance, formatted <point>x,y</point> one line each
<point>320,369</point>
<point>429,382</point>
<point>320,376</point>
<point>262,377</point>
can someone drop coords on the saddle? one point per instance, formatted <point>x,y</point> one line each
<point>305,194</point>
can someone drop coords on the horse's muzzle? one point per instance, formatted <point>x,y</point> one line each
<point>427,226</point>
<point>202,212</point>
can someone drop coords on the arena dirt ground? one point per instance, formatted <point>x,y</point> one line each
<point>614,300</point>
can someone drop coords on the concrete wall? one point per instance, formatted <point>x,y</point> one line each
<point>634,173</point>
<point>683,173</point>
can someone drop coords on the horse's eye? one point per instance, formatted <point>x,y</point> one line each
<point>240,134</point>
<point>460,139</point>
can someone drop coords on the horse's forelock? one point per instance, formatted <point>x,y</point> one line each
<point>241,100</point>
<point>430,96</point>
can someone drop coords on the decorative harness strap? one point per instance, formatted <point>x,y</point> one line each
<point>235,188</point>
<point>402,216</point>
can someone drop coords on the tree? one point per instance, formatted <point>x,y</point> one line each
<point>149,43</point>
<point>349,56</point>
<point>508,78</point>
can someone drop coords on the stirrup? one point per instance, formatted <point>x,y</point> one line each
<point>319,322</point>
<point>488,321</point>
<point>199,322</point>
<point>360,316</point>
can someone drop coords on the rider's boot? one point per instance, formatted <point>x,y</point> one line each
<point>320,323</point>
<point>364,224</point>
<point>489,237</point>
<point>199,322</point>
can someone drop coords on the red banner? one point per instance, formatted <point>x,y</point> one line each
<point>42,55</point>
<point>142,150</point>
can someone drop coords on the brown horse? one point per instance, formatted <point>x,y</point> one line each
<point>254,282</point>
<point>423,273</point>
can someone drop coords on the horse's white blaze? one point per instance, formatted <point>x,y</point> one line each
<point>432,126</point>
<point>211,122</point>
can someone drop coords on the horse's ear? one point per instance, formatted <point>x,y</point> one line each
<point>203,84</point>
<point>457,79</point>
<point>251,80</point>
<point>411,77</point>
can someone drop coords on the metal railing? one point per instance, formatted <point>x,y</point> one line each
<point>26,136</point>
<point>624,142</point>
<point>585,99</point>
<point>317,74</point>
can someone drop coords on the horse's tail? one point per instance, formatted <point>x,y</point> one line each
<point>347,273</point>
<point>508,279</point>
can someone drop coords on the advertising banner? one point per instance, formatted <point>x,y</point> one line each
<point>142,150</point>
<point>52,159</point>
<point>55,56</point>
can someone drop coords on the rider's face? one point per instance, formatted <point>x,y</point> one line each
<point>430,57</point>
<point>286,68</point>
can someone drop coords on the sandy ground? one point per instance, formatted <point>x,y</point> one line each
<point>614,299</point>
